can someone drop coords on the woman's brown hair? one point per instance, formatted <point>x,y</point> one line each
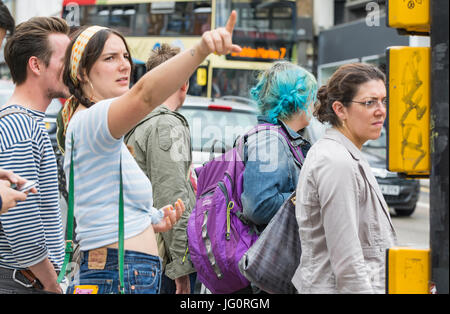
<point>343,86</point>
<point>92,52</point>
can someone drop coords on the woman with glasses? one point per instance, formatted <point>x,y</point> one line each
<point>344,221</point>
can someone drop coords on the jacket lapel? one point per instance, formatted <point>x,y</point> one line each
<point>364,165</point>
<point>375,187</point>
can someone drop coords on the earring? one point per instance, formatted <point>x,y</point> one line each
<point>91,99</point>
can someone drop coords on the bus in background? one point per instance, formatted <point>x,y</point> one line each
<point>265,29</point>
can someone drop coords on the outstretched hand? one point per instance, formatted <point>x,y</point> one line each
<point>219,40</point>
<point>171,216</point>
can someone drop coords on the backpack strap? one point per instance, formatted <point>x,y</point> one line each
<point>10,111</point>
<point>121,233</point>
<point>69,248</point>
<point>128,135</point>
<point>296,151</point>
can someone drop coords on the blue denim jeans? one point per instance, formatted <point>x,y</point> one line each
<point>99,272</point>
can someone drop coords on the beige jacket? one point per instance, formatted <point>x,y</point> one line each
<point>344,222</point>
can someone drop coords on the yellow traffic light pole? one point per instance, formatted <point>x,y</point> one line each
<point>408,270</point>
<point>418,137</point>
<point>439,123</point>
<point>409,100</point>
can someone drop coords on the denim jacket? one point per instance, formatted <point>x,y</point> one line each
<point>271,172</point>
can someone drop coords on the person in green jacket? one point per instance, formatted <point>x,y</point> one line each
<point>161,145</point>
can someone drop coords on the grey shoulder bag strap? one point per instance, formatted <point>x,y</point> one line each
<point>128,135</point>
<point>11,111</point>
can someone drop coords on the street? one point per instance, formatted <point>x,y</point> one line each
<point>414,231</point>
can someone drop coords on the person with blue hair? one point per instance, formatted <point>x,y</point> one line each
<point>285,94</point>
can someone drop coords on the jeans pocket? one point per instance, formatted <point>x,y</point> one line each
<point>145,280</point>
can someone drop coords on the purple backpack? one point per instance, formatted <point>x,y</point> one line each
<point>218,233</point>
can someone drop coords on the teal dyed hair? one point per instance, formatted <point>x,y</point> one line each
<point>284,90</point>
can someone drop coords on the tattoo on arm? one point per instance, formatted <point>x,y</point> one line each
<point>192,52</point>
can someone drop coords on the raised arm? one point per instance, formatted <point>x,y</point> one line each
<point>161,82</point>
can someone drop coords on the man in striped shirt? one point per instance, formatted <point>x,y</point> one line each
<point>31,234</point>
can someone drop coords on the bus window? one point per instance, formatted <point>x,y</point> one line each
<point>233,82</point>
<point>159,18</point>
<point>202,20</point>
<point>122,19</point>
<point>94,15</point>
<point>282,13</point>
<point>262,19</point>
<point>173,18</point>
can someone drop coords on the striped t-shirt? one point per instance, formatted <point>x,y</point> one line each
<point>96,181</point>
<point>32,230</point>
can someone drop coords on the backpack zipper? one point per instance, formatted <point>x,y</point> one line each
<point>185,255</point>
<point>230,205</point>
<point>229,208</point>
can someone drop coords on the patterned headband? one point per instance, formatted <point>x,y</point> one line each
<point>78,50</point>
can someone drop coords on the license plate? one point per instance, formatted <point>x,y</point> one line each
<point>390,189</point>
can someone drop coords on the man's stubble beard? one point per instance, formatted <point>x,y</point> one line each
<point>52,93</point>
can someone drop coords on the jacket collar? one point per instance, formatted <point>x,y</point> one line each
<point>294,136</point>
<point>160,109</point>
<point>333,134</point>
<point>163,109</point>
<point>37,114</point>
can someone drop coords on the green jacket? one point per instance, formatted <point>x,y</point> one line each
<point>162,148</point>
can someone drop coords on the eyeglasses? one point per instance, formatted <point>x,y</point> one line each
<point>373,103</point>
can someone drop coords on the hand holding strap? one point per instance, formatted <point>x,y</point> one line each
<point>69,224</point>
<point>121,233</point>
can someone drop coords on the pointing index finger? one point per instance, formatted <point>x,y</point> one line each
<point>231,22</point>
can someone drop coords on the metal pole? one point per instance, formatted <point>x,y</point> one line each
<point>439,206</point>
